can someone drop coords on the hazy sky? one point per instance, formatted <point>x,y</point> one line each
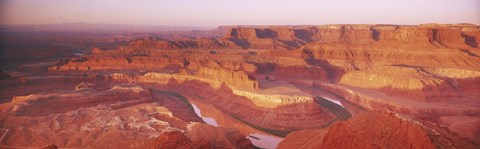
<point>239,12</point>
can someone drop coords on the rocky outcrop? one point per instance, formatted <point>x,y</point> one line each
<point>303,139</point>
<point>218,137</point>
<point>215,78</point>
<point>372,130</point>
<point>97,114</point>
<point>282,38</point>
<point>235,79</point>
<point>393,80</point>
<point>81,98</point>
<point>176,139</point>
<point>376,130</point>
<point>298,73</point>
<point>102,126</point>
<point>464,126</point>
<point>272,100</point>
<point>96,51</point>
<point>202,136</point>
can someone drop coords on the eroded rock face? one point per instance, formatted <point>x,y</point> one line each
<point>218,137</point>
<point>376,130</point>
<point>293,37</point>
<point>466,126</point>
<point>202,136</point>
<point>104,115</point>
<point>40,104</point>
<point>97,51</point>
<point>372,130</point>
<point>213,77</point>
<point>303,139</point>
<point>296,36</point>
<point>176,139</point>
<point>236,79</point>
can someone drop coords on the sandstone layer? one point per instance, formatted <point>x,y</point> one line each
<point>372,130</point>
<point>177,139</point>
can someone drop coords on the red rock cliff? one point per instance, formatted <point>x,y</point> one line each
<point>291,37</point>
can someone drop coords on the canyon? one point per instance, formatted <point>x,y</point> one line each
<point>324,86</point>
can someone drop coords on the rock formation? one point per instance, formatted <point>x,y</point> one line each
<point>303,139</point>
<point>377,130</point>
<point>466,126</point>
<point>175,139</point>
<point>219,137</point>
<point>293,37</point>
<point>372,130</point>
<point>50,147</point>
<point>97,51</point>
<point>293,81</point>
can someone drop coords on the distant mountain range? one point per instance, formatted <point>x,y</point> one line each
<point>86,27</point>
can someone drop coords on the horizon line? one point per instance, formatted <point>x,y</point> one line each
<point>163,25</point>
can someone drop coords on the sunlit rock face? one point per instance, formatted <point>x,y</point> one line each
<point>202,136</point>
<point>177,139</point>
<point>371,130</point>
<point>311,85</point>
<point>389,129</point>
<point>218,137</point>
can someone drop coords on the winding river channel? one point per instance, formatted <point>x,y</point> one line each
<point>215,117</point>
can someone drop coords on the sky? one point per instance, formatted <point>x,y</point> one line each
<point>239,12</point>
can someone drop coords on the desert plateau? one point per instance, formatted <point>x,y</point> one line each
<point>332,86</point>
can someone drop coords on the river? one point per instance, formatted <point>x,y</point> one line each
<point>258,138</point>
<point>215,117</point>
